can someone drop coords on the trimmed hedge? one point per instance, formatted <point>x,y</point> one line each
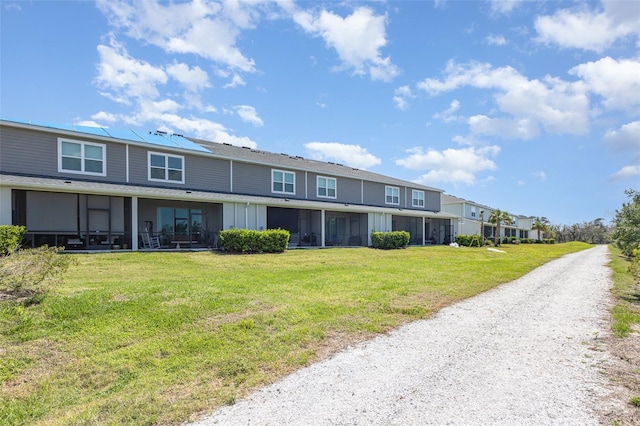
<point>250,241</point>
<point>10,238</point>
<point>390,240</point>
<point>468,240</point>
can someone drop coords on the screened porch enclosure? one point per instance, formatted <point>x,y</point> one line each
<point>178,224</point>
<point>412,225</point>
<point>306,227</point>
<point>75,221</point>
<point>438,231</point>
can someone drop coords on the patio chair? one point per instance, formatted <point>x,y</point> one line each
<point>149,241</point>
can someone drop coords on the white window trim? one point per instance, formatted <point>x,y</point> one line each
<point>82,157</point>
<point>397,189</point>
<point>284,172</point>
<point>318,187</point>
<point>413,198</point>
<point>166,156</point>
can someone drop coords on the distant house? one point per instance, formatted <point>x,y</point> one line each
<point>472,216</point>
<point>95,188</point>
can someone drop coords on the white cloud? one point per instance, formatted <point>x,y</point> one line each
<point>356,38</point>
<point>401,97</point>
<point>504,7</point>
<point>88,123</point>
<point>495,40</point>
<point>124,77</point>
<point>248,113</point>
<point>617,81</point>
<point>193,79</point>
<point>204,28</point>
<point>626,172</point>
<point>541,176</point>
<point>104,116</point>
<point>236,81</point>
<point>450,165</point>
<point>589,29</point>
<point>627,138</point>
<point>506,128</point>
<point>351,155</point>
<point>555,105</point>
<point>447,115</point>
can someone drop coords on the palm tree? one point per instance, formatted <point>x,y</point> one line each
<point>497,218</point>
<point>542,225</point>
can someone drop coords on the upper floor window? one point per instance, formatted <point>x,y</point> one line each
<point>473,211</point>
<point>417,198</point>
<point>326,187</point>
<point>283,182</point>
<point>392,195</point>
<point>166,168</point>
<point>81,157</point>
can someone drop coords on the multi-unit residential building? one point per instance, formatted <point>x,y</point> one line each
<point>96,188</point>
<point>473,218</point>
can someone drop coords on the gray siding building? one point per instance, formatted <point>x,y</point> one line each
<point>94,188</point>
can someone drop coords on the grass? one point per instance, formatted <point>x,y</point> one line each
<point>626,290</point>
<point>157,338</point>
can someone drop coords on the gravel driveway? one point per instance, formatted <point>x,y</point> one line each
<point>522,354</point>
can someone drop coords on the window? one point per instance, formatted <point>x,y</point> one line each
<point>81,157</point>
<point>392,195</point>
<point>417,198</point>
<point>473,211</point>
<point>176,223</point>
<point>283,182</point>
<point>326,187</point>
<point>166,168</point>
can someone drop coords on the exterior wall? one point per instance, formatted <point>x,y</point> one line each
<point>255,179</point>
<point>379,222</point>
<point>244,216</point>
<point>432,200</point>
<point>28,151</point>
<point>36,153</point>
<point>210,174</point>
<point>347,190</point>
<point>5,206</point>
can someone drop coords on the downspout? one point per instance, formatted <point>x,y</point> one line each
<point>134,223</point>
<point>322,227</point>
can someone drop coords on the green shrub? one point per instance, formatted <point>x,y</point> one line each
<point>250,241</point>
<point>468,240</point>
<point>10,238</point>
<point>32,271</point>
<point>390,240</point>
<point>511,240</point>
<point>549,241</point>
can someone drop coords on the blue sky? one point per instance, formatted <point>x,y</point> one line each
<point>530,107</point>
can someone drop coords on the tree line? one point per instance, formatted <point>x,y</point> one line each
<point>623,231</point>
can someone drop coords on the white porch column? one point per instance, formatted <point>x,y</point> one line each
<point>424,233</point>
<point>5,206</point>
<point>134,223</point>
<point>323,230</point>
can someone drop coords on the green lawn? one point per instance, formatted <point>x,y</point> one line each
<point>156,338</point>
<point>626,312</point>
